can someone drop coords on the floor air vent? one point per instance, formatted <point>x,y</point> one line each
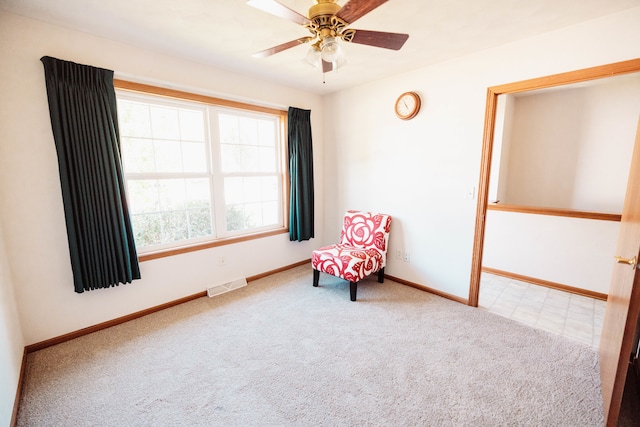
<point>226,287</point>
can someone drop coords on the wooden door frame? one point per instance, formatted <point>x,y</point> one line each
<point>586,74</point>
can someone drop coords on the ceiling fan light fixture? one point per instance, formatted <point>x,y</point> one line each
<point>340,61</point>
<point>331,50</point>
<point>313,58</point>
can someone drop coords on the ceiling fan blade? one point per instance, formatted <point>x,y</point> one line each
<point>356,9</point>
<point>281,47</point>
<point>393,41</point>
<point>279,10</point>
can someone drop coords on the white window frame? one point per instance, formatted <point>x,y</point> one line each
<point>212,106</point>
<point>219,175</point>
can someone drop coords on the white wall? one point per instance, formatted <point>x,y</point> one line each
<point>612,112</point>
<point>418,171</point>
<point>546,139</point>
<point>32,212</point>
<point>570,251</point>
<point>499,179</point>
<point>571,148</point>
<point>11,341</point>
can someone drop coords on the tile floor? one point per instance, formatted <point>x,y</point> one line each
<point>572,316</point>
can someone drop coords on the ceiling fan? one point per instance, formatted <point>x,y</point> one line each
<point>327,21</point>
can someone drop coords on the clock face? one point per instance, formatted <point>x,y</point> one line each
<point>407,105</point>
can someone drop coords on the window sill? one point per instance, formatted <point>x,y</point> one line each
<point>148,256</point>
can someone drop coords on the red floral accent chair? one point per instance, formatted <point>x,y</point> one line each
<point>362,250</point>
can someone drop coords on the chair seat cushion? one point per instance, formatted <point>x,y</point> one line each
<point>347,262</point>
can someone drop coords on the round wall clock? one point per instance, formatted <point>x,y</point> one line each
<point>407,105</point>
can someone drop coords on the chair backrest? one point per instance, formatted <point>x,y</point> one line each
<point>366,230</point>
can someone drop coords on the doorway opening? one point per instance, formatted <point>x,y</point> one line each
<point>614,357</point>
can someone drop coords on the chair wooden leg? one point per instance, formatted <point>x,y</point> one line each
<point>316,277</point>
<point>353,289</point>
<point>381,275</point>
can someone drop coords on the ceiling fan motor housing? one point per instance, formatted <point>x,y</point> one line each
<point>324,23</point>
<point>323,8</point>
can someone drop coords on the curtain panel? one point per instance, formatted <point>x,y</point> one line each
<point>83,111</point>
<point>300,175</point>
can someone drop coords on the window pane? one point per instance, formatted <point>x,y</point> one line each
<point>143,196</point>
<point>240,158</point>
<point>248,131</point>
<point>168,156</point>
<point>174,138</point>
<point>174,226</point>
<point>164,122</point>
<point>233,191</point>
<point>147,229</point>
<point>251,202</point>
<point>235,217</point>
<point>231,158</point>
<point>228,129</point>
<point>194,156</point>
<point>198,193</point>
<point>172,194</point>
<point>192,125</point>
<point>134,119</point>
<point>267,134</point>
<point>268,161</point>
<point>269,188</point>
<point>270,213</point>
<point>248,144</point>
<point>137,154</point>
<point>252,190</point>
<point>169,210</point>
<point>250,159</point>
<point>199,222</point>
<point>253,215</point>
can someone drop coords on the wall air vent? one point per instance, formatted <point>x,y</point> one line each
<point>226,287</point>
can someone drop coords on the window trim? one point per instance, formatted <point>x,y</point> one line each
<point>188,96</point>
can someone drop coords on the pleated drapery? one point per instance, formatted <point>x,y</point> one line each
<point>300,175</point>
<point>83,110</point>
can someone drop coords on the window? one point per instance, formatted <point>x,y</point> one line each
<point>198,172</point>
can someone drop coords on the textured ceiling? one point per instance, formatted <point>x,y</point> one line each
<point>224,33</point>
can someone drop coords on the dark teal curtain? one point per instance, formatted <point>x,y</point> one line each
<point>300,175</point>
<point>82,106</point>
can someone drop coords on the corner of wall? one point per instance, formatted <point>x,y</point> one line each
<point>12,354</point>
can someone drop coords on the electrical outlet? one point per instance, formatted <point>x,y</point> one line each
<point>407,257</point>
<point>399,254</point>
<point>221,260</point>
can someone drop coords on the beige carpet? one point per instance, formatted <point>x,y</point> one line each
<point>283,353</point>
